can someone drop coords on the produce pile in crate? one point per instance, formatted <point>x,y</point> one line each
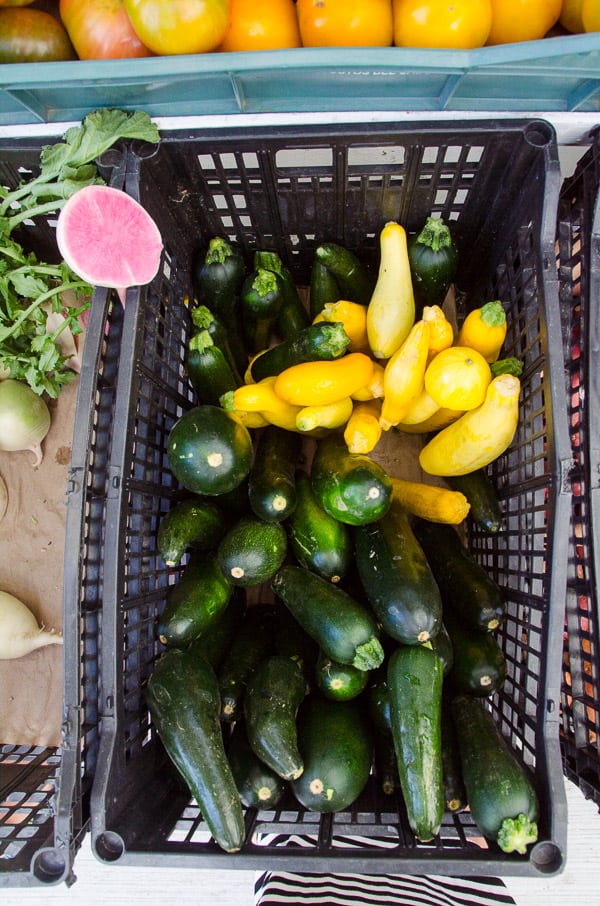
<point>290,611</point>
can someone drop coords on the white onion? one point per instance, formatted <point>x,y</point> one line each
<point>19,630</point>
<point>24,419</point>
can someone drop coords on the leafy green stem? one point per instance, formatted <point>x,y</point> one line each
<point>78,285</point>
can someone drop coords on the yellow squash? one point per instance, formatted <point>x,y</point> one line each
<point>323,382</point>
<point>261,399</point>
<point>457,378</point>
<point>441,332</point>
<point>430,502</point>
<point>477,437</point>
<point>484,329</point>
<point>329,415</point>
<point>363,430</point>
<point>354,318</point>
<point>403,375</point>
<point>391,310</point>
<point>421,409</point>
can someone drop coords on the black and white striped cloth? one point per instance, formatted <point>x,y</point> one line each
<point>275,888</point>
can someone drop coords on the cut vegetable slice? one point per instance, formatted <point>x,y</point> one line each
<point>109,239</point>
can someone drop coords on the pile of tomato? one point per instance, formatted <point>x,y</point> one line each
<point>40,30</point>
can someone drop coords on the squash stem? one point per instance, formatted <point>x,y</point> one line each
<point>435,234</point>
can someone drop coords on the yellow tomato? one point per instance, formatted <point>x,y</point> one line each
<point>522,20</point>
<point>590,15</point>
<point>179,26</point>
<point>458,24</point>
<point>458,378</point>
<point>570,15</point>
<point>345,23</point>
<point>261,25</point>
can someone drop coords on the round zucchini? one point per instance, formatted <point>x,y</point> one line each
<point>339,682</point>
<point>252,551</point>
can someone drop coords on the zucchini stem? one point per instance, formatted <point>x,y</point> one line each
<point>516,834</point>
<point>435,234</point>
<point>369,655</point>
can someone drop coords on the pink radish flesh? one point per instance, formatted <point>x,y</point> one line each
<point>108,238</point>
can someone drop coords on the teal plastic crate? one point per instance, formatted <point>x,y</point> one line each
<point>555,74</point>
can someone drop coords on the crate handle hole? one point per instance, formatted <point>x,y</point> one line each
<point>547,858</point>
<point>109,846</point>
<point>49,866</point>
<point>539,134</point>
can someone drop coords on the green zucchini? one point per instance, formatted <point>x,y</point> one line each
<point>441,643</point>
<point>478,664</point>
<point>194,602</point>
<point>351,487</point>
<point>455,794</point>
<point>272,481</point>
<point>414,678</point>
<point>209,450</point>
<point>480,492</point>
<point>343,628</point>
<point>468,591</point>
<point>337,747</point>
<point>433,259</point>
<point>251,644</point>
<point>207,367</point>
<point>340,682</point>
<point>204,319</point>
<point>291,640</point>
<point>262,298</point>
<point>217,278</point>
<point>293,316</point>
<point>258,785</point>
<point>500,791</point>
<point>323,341</point>
<point>191,523</point>
<point>215,641</point>
<point>183,699</point>
<point>386,764</point>
<point>397,578</point>
<point>252,551</point>
<point>323,288</point>
<point>352,277</point>
<point>319,542</point>
<point>273,696</point>
<point>379,704</point>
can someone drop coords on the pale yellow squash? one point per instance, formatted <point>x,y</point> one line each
<point>391,310</point>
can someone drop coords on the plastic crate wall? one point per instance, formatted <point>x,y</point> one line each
<point>578,250</point>
<point>289,190</point>
<point>44,798</point>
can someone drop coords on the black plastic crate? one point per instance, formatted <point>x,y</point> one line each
<point>289,189</point>
<point>45,792</point>
<point>578,251</point>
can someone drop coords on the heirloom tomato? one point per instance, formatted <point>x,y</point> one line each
<point>345,23</point>
<point>179,26</point>
<point>522,20</point>
<point>101,30</point>
<point>261,25</point>
<point>459,25</point>
<point>32,36</point>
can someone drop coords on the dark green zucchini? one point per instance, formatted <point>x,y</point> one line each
<point>433,259</point>
<point>258,785</point>
<point>251,644</point>
<point>455,794</point>
<point>351,487</point>
<point>262,298</point>
<point>337,748</point>
<point>291,640</point>
<point>478,664</point>
<point>272,479</point>
<point>252,551</point>
<point>340,682</point>
<point>342,627</point>
<point>293,316</point>
<point>273,696</point>
<point>204,319</point>
<point>319,542</point>
<point>468,591</point>
<point>217,278</point>
<point>397,578</point>
<point>323,288</point>
<point>317,342</point>
<point>414,678</point>
<point>379,704</point>
<point>386,765</point>
<point>352,277</point>
<point>194,602</point>
<point>207,367</point>
<point>192,523</point>
<point>215,641</point>
<point>183,698</point>
<point>500,791</point>
<point>480,492</point>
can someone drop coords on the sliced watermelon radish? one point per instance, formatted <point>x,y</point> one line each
<point>109,239</point>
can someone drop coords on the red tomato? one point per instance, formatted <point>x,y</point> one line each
<point>179,26</point>
<point>101,30</point>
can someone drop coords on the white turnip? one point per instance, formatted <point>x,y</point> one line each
<point>19,630</point>
<point>24,419</point>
